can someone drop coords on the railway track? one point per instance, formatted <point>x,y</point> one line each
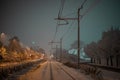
<point>60,68</point>
<point>67,73</point>
<point>51,72</point>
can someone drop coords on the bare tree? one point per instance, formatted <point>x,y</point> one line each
<point>92,51</point>
<point>110,44</point>
<point>107,48</point>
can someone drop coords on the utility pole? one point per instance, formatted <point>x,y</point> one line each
<point>60,47</point>
<point>78,19</point>
<point>56,51</point>
<point>78,34</point>
<point>51,48</point>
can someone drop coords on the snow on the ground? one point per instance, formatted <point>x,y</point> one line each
<point>43,70</point>
<point>76,73</point>
<point>110,75</point>
<point>57,73</point>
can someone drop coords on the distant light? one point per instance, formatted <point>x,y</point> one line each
<point>33,42</point>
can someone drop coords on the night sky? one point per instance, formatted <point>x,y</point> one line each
<point>33,20</point>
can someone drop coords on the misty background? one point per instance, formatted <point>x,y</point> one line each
<point>33,21</point>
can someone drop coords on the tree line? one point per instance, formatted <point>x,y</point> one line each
<point>107,50</point>
<point>12,49</point>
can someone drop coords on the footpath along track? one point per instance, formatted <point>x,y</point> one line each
<point>57,65</point>
<point>51,70</point>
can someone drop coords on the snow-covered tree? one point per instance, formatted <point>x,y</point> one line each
<point>14,45</point>
<point>107,48</point>
<point>92,51</point>
<point>110,45</point>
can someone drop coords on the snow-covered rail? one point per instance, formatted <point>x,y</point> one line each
<point>59,66</point>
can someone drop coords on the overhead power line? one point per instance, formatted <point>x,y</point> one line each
<point>55,31</point>
<point>91,7</point>
<point>68,29</point>
<point>78,18</point>
<point>61,8</point>
<point>59,15</point>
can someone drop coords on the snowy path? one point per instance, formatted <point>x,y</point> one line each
<point>52,70</point>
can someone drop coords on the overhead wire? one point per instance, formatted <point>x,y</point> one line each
<point>61,8</point>
<point>60,12</point>
<point>68,29</point>
<point>74,20</point>
<point>91,7</point>
<point>83,3</point>
<point>69,14</point>
<point>56,31</point>
<point>59,15</point>
<point>88,10</point>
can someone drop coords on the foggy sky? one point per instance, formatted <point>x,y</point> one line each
<point>33,20</point>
